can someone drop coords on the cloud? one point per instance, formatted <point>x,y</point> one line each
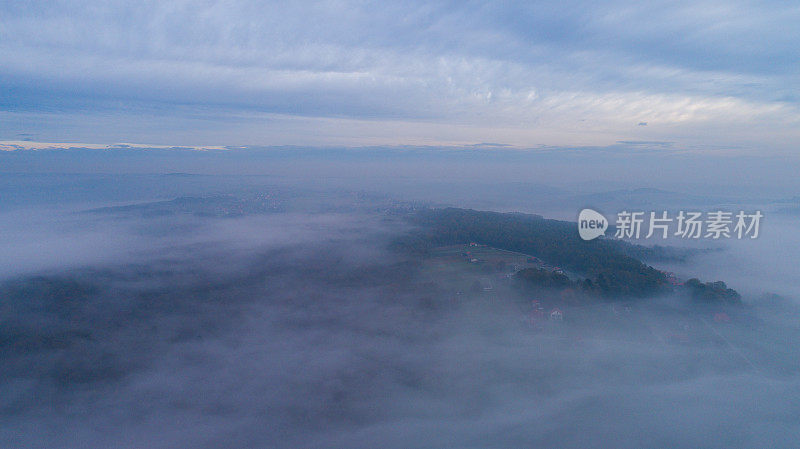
<point>513,67</point>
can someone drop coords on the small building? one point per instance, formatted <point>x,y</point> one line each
<point>536,316</point>
<point>556,315</point>
<point>722,317</point>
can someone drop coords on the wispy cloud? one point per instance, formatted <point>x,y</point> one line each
<point>535,71</point>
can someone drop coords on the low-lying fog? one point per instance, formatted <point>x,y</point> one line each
<point>301,329</point>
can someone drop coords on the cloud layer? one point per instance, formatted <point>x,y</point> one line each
<point>526,73</point>
<point>302,330</point>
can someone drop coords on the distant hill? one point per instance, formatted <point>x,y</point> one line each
<point>217,206</point>
<point>647,199</point>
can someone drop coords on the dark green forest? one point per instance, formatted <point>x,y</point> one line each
<point>607,264</point>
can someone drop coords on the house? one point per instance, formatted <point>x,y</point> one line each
<point>556,315</point>
<point>535,317</point>
<point>672,279</point>
<point>722,317</point>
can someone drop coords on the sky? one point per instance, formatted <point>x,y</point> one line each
<point>717,75</point>
<point>301,326</point>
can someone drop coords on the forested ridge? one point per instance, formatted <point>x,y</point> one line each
<point>603,262</point>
